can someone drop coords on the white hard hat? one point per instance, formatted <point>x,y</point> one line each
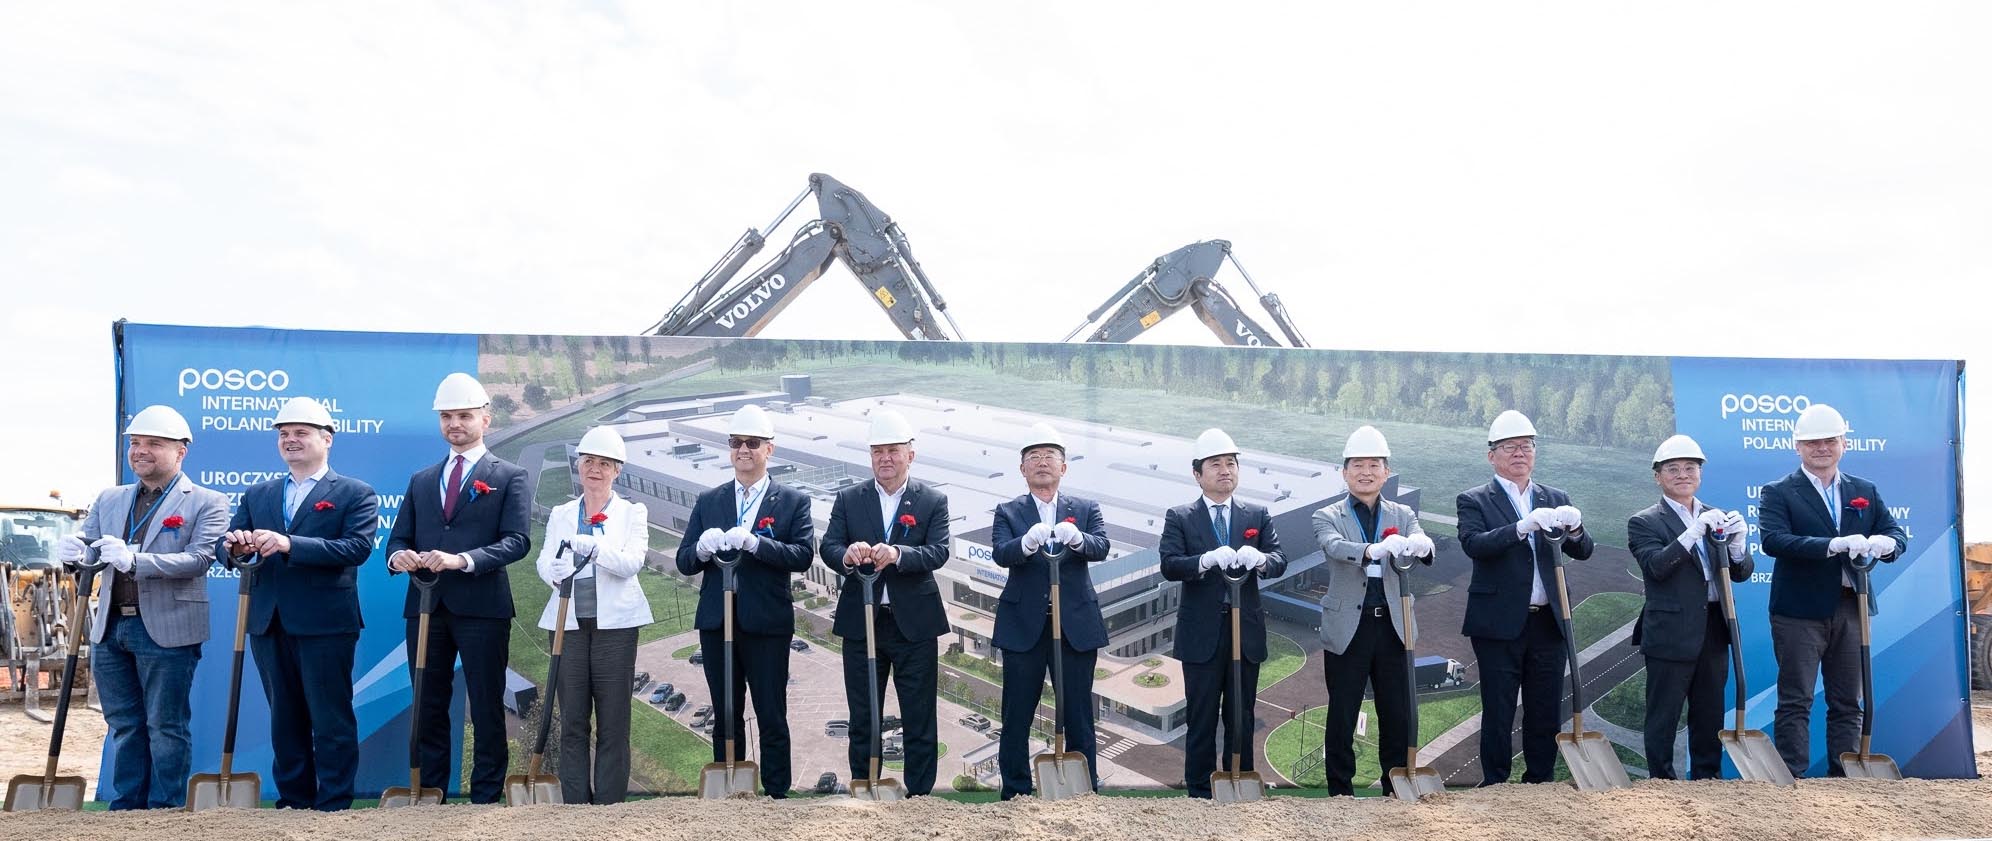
<point>1679,446</point>
<point>160,422</point>
<point>889,427</point>
<point>1510,424</point>
<point>306,411</point>
<point>605,442</point>
<point>751,421</point>
<point>1819,421</point>
<point>1213,442</point>
<point>1042,435</point>
<point>1365,442</point>
<point>461,391</point>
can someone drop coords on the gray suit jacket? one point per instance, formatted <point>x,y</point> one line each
<point>1341,537</point>
<point>170,564</point>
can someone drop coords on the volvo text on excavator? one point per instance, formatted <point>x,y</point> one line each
<point>1185,278</point>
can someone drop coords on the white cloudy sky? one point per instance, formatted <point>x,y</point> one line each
<point>1683,178</point>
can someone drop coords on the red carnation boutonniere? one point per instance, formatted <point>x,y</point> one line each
<point>1073,520</point>
<point>172,523</point>
<point>1251,534</point>
<point>1390,532</point>
<point>1859,503</point>
<point>907,520</point>
<point>478,489</point>
<point>765,525</point>
<point>323,505</point>
<point>595,522</point>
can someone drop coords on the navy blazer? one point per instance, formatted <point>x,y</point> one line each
<point>313,588</point>
<point>1026,600</point>
<point>1187,534</point>
<point>762,602</point>
<point>923,548</point>
<point>1674,621</point>
<point>493,527</point>
<point>1497,598</point>
<point>1795,528</point>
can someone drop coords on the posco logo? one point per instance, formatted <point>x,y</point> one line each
<point>1764,404</point>
<point>233,379</point>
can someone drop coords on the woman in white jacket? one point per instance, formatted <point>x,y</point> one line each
<point>598,658</point>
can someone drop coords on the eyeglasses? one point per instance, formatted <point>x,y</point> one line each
<point>1690,469</point>
<point>1512,448</point>
<point>1045,457</point>
<point>743,443</point>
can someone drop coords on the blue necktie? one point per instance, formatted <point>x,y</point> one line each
<point>1221,525</point>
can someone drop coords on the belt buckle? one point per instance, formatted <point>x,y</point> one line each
<point>1378,611</point>
<point>127,610</point>
<point>1536,608</point>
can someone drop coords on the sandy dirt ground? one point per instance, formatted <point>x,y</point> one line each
<point>24,742</point>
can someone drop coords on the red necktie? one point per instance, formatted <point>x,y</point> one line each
<point>453,489</point>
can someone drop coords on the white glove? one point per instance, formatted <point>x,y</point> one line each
<point>1249,557</point>
<point>1235,561</point>
<point>1853,545</point>
<point>114,552</point>
<point>1420,546</point>
<point>1733,525</point>
<point>70,548</point>
<point>740,538</point>
<point>1880,545</point>
<point>1537,520</point>
<point>1395,544</point>
<point>1036,538</point>
<point>1378,551</point>
<point>581,544</point>
<point>1569,517</point>
<point>558,570</point>
<point>709,543</point>
<point>1067,534</point>
<point>1221,556</point>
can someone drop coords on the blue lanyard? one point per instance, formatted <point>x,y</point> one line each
<point>288,483</point>
<point>1833,502</point>
<point>443,478</point>
<point>581,524</point>
<point>135,527</point>
<point>752,505</point>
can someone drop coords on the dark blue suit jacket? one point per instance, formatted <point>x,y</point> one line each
<point>1186,535</point>
<point>312,588</point>
<point>761,603</point>
<point>1795,528</point>
<point>493,528</point>
<point>1497,598</point>
<point>1026,597</point>
<point>1674,621</point>
<point>923,548</point>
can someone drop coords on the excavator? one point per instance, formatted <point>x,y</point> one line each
<point>1182,278</point>
<point>848,228</point>
<point>35,595</point>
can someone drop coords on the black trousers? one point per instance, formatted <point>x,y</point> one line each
<point>483,643</point>
<point>911,666</point>
<point>1374,657</point>
<point>1532,665</point>
<point>1024,674</point>
<point>760,663</point>
<point>314,738</point>
<point>1699,682</point>
<point>1216,715</point>
<point>597,676</point>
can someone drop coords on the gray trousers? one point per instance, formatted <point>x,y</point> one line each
<point>597,675</point>
<point>1805,648</point>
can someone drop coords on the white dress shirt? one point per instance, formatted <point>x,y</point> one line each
<point>888,509</point>
<point>1520,496</point>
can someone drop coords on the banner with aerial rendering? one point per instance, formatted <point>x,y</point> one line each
<point>1128,414</point>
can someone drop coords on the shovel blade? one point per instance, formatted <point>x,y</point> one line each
<point>1414,784</point>
<point>881,789</point>
<point>1870,766</point>
<point>32,793</point>
<point>719,780</point>
<point>210,791</point>
<point>1593,765</point>
<point>532,790</point>
<point>1061,775</point>
<point>404,796</point>
<point>1242,787</point>
<point>1756,759</point>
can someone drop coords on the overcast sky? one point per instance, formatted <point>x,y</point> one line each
<point>1726,178</point>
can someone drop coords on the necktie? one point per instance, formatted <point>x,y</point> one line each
<point>453,489</point>
<point>1223,527</point>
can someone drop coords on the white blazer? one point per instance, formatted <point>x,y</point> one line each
<point>619,552</point>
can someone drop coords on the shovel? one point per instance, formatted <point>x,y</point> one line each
<point>534,787</point>
<point>1413,781</point>
<point>731,777</point>
<point>1865,763</point>
<point>415,794</point>
<point>1749,750</point>
<point>1235,786</point>
<point>1061,773</point>
<point>1593,764</point>
<point>873,787</point>
<point>228,789</point>
<point>31,792</point>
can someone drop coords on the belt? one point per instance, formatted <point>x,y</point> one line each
<point>1538,608</point>
<point>125,609</point>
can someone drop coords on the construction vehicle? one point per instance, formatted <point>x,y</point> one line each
<point>848,228</point>
<point>1978,599</point>
<point>35,596</point>
<point>1186,277</point>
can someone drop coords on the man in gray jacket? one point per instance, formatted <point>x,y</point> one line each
<point>157,536</point>
<point>1362,618</point>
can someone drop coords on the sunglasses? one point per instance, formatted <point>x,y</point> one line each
<point>743,443</point>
